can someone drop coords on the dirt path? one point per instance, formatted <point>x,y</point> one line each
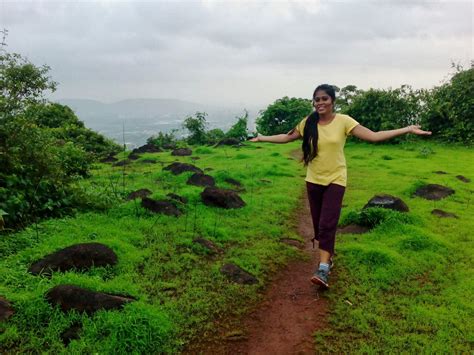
<point>291,311</point>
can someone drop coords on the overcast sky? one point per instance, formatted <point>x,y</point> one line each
<point>237,52</point>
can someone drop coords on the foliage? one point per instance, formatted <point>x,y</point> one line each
<point>44,148</point>
<point>346,96</point>
<point>239,129</point>
<point>21,84</point>
<point>389,109</point>
<point>196,125</point>
<point>214,135</point>
<point>283,115</point>
<point>66,126</point>
<point>36,172</point>
<point>164,140</point>
<point>450,108</point>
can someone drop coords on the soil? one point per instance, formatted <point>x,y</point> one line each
<point>285,320</point>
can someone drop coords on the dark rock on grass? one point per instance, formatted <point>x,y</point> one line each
<point>440,172</point>
<point>133,156</point>
<point>433,192</point>
<point>213,196</point>
<point>169,146</point>
<point>238,275</point>
<point>352,229</point>
<point>181,152</point>
<point>199,179</point>
<point>70,297</point>
<point>233,182</point>
<point>122,163</point>
<point>463,178</point>
<point>443,214</point>
<point>71,333</point>
<point>109,159</point>
<point>267,181</point>
<point>195,158</point>
<point>142,193</point>
<point>148,161</point>
<point>387,201</point>
<point>208,169</point>
<point>6,309</point>
<point>212,248</point>
<point>79,256</point>
<point>161,206</point>
<point>229,141</point>
<point>178,168</point>
<point>292,242</point>
<point>177,198</point>
<point>147,148</point>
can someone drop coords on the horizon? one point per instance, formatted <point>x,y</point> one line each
<point>240,54</point>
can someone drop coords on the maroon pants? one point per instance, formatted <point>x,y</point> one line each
<point>325,203</point>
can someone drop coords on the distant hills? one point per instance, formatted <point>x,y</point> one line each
<point>144,117</point>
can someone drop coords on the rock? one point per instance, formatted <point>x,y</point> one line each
<point>233,182</point>
<point>352,229</point>
<point>178,168</point>
<point>387,201</point>
<point>208,169</point>
<point>213,196</point>
<point>6,309</point>
<point>195,158</point>
<point>433,192</point>
<point>109,159</point>
<point>177,198</point>
<point>439,172</point>
<point>122,163</point>
<point>71,333</point>
<point>147,148</point>
<point>181,152</point>
<point>443,214</point>
<point>138,194</point>
<point>169,146</point>
<point>70,297</point>
<point>133,156</point>
<point>148,161</point>
<point>199,179</point>
<point>292,242</point>
<point>238,275</point>
<point>463,178</point>
<point>266,181</point>
<point>228,141</point>
<point>212,248</point>
<point>79,256</point>
<point>161,206</point>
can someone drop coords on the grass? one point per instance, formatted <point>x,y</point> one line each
<point>179,288</point>
<point>406,286</point>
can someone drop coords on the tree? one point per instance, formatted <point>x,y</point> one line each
<point>196,125</point>
<point>386,109</point>
<point>449,110</point>
<point>239,129</point>
<point>346,96</point>
<point>283,115</point>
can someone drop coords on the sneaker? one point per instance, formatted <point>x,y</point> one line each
<point>321,277</point>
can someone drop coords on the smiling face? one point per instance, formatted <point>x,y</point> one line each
<point>322,102</point>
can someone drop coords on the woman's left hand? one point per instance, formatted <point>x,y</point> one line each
<point>416,129</point>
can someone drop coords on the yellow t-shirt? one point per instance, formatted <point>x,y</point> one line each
<point>329,165</point>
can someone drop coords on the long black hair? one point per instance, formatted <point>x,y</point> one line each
<point>310,133</point>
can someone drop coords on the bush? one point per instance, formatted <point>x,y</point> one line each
<point>196,125</point>
<point>450,109</point>
<point>239,129</point>
<point>283,115</point>
<point>164,140</point>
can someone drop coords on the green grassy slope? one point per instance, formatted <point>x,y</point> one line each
<point>407,286</point>
<point>179,288</point>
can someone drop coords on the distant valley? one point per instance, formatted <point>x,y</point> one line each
<point>137,119</point>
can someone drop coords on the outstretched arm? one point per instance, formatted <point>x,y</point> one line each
<point>367,135</point>
<point>278,138</point>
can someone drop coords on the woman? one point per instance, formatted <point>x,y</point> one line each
<point>324,134</point>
